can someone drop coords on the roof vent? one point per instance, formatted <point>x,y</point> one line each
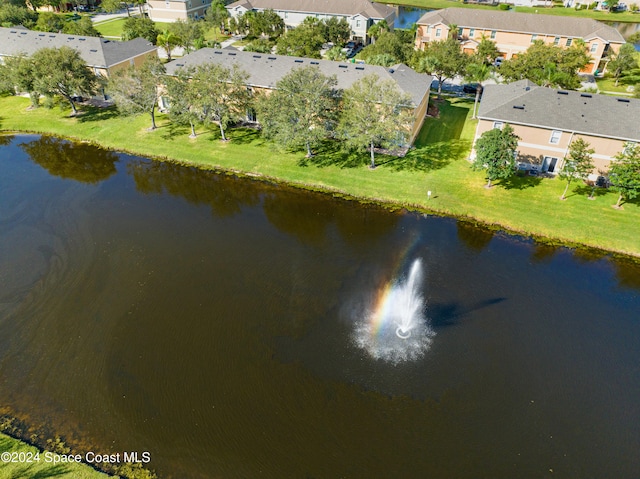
<point>179,64</point>
<point>257,56</point>
<point>560,92</point>
<point>298,61</point>
<point>359,68</point>
<point>527,88</point>
<point>586,95</point>
<point>71,38</point>
<point>82,39</point>
<point>23,33</point>
<point>41,34</point>
<point>106,41</point>
<point>12,31</point>
<point>391,70</point>
<point>271,58</point>
<point>94,51</point>
<point>623,100</point>
<point>217,52</point>
<point>519,107</point>
<point>343,66</point>
<point>315,63</point>
<point>233,54</point>
<point>52,36</point>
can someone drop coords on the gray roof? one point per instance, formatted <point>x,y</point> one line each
<point>95,51</point>
<point>525,103</point>
<point>585,28</point>
<point>265,70</point>
<point>336,7</point>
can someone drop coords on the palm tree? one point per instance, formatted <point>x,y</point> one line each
<point>167,40</point>
<point>477,73</point>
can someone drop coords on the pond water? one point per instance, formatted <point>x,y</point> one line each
<point>232,329</point>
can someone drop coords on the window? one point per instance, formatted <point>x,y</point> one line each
<point>569,40</point>
<point>556,41</point>
<point>493,34</point>
<point>438,32</point>
<point>498,125</point>
<point>428,28</point>
<point>534,37</point>
<point>594,47</point>
<point>357,23</point>
<point>286,14</point>
<point>472,32</point>
<point>460,31</point>
<point>555,137</point>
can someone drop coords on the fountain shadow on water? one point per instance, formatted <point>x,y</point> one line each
<point>442,315</point>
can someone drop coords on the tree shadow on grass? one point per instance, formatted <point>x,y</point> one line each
<point>92,113</point>
<point>173,131</point>
<point>329,153</point>
<point>588,190</point>
<point>517,182</point>
<point>430,157</point>
<point>245,136</point>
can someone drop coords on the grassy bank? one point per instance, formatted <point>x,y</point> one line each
<point>39,468</point>
<point>529,205</point>
<point>567,12</point>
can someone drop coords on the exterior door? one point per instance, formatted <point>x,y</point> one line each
<point>549,164</point>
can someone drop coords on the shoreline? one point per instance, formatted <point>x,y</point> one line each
<point>338,193</point>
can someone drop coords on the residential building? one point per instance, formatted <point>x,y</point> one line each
<point>102,56</point>
<point>265,70</point>
<point>171,10</point>
<point>514,32</point>
<point>548,121</point>
<point>360,14</point>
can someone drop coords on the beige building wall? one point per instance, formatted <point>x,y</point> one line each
<point>171,10</point>
<point>539,144</point>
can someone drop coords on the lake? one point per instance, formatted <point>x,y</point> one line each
<point>238,329</point>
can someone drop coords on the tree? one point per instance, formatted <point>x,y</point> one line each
<point>393,44</point>
<point>442,59</point>
<point>183,100</point>
<point>495,153</point>
<point>335,53</point>
<point>266,22</point>
<point>486,52</point>
<point>111,6</point>
<point>83,26</point>
<point>189,33</point>
<point>578,165</point>
<point>377,28</point>
<point>338,32</point>
<point>49,22</point>
<point>139,27</point>
<point>375,112</point>
<point>18,73</point>
<point>623,62</point>
<point>217,14</point>
<point>477,73</point>
<point>11,15</point>
<point>168,40</point>
<point>218,95</point>
<point>303,41</point>
<point>302,109</point>
<point>548,65</point>
<point>136,90</point>
<point>624,173</point>
<point>61,71</point>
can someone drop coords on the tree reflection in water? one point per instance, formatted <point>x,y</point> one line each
<point>74,161</point>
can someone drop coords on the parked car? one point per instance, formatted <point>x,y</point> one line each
<point>471,88</point>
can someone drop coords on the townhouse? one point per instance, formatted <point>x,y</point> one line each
<point>548,121</point>
<point>514,32</point>
<point>360,14</point>
<point>102,56</point>
<point>265,70</point>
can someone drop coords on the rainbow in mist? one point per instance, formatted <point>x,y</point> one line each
<point>395,328</point>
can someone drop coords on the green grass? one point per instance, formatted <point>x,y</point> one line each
<point>111,28</point>
<point>40,468</point>
<point>568,12</point>
<point>608,84</point>
<point>529,205</point>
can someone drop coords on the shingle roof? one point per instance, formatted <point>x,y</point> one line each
<point>97,52</point>
<point>525,103</point>
<point>265,70</point>
<point>585,28</point>
<point>337,7</point>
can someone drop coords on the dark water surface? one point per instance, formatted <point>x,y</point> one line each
<point>210,321</point>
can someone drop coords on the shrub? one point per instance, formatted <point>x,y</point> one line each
<point>504,6</point>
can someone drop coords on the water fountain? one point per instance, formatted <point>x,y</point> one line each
<point>396,329</point>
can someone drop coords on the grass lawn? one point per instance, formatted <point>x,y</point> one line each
<point>40,468</point>
<point>111,28</point>
<point>608,84</point>
<point>529,205</point>
<point>569,12</point>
